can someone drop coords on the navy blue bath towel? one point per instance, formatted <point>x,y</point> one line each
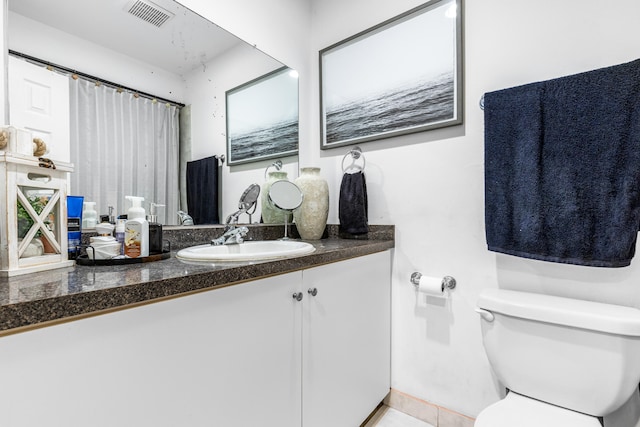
<point>353,209</point>
<point>562,168</point>
<point>202,190</point>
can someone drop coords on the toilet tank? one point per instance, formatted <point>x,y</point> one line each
<point>576,354</point>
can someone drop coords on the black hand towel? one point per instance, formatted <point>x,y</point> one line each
<point>353,204</point>
<point>202,190</point>
<point>562,168</point>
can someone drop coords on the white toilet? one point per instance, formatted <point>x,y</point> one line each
<point>564,362</point>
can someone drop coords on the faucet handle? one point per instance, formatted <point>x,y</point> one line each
<point>236,235</point>
<point>240,234</point>
<point>232,235</point>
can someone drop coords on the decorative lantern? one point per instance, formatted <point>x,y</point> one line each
<point>33,214</point>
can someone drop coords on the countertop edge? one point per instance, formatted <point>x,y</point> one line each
<point>28,315</point>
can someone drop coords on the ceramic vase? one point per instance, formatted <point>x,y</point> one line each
<point>270,213</point>
<point>311,216</point>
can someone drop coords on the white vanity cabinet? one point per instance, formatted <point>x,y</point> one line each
<point>244,355</point>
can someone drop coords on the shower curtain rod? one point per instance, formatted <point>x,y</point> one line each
<point>92,78</point>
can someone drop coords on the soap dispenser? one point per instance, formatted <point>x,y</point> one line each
<point>89,215</point>
<point>136,230</point>
<point>155,229</point>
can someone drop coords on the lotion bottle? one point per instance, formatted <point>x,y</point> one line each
<point>136,230</point>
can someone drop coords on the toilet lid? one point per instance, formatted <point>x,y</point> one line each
<point>521,411</point>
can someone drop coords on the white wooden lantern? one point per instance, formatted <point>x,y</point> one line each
<point>33,215</point>
<point>16,140</point>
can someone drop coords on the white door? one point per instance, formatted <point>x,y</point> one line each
<point>39,102</point>
<point>226,358</point>
<point>346,340</point>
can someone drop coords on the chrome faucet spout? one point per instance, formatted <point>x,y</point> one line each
<point>232,236</point>
<point>185,218</point>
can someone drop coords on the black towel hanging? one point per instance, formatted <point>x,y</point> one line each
<point>353,209</point>
<point>562,163</point>
<point>203,177</point>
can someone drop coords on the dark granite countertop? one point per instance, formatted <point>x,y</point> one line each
<point>40,299</point>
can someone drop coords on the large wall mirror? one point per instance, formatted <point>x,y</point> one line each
<point>156,48</point>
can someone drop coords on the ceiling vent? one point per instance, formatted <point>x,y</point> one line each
<point>149,12</point>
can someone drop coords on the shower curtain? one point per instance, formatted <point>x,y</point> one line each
<point>123,145</point>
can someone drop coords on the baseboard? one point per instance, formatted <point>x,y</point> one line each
<point>374,416</point>
<point>435,415</point>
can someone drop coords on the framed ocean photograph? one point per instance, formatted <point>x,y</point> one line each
<point>401,76</point>
<point>262,118</point>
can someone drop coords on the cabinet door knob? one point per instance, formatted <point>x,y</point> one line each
<point>297,296</point>
<point>313,292</point>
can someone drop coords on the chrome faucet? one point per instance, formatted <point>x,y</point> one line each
<point>185,218</point>
<point>248,200</point>
<point>232,233</point>
<point>232,236</point>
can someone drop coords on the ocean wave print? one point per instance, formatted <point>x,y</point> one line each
<point>419,104</point>
<point>277,139</point>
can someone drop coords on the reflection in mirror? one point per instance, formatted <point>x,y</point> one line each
<point>185,60</point>
<point>247,204</point>
<point>249,197</point>
<point>287,196</point>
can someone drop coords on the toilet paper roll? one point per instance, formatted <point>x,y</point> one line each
<point>432,286</point>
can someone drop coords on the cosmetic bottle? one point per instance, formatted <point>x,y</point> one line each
<point>120,222</point>
<point>89,215</point>
<point>155,229</point>
<point>136,230</point>
<point>74,224</point>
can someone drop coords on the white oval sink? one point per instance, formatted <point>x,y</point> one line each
<point>247,251</point>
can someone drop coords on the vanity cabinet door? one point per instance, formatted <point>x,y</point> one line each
<point>346,340</point>
<point>227,357</point>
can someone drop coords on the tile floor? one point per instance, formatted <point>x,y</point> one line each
<point>389,417</point>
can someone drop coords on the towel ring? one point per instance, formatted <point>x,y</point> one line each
<point>355,153</point>
<point>277,164</point>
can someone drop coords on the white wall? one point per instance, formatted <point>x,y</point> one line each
<point>430,185</point>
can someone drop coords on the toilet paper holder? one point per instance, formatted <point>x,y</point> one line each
<point>448,282</point>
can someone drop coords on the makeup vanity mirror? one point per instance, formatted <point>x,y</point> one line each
<point>287,196</point>
<point>155,47</point>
